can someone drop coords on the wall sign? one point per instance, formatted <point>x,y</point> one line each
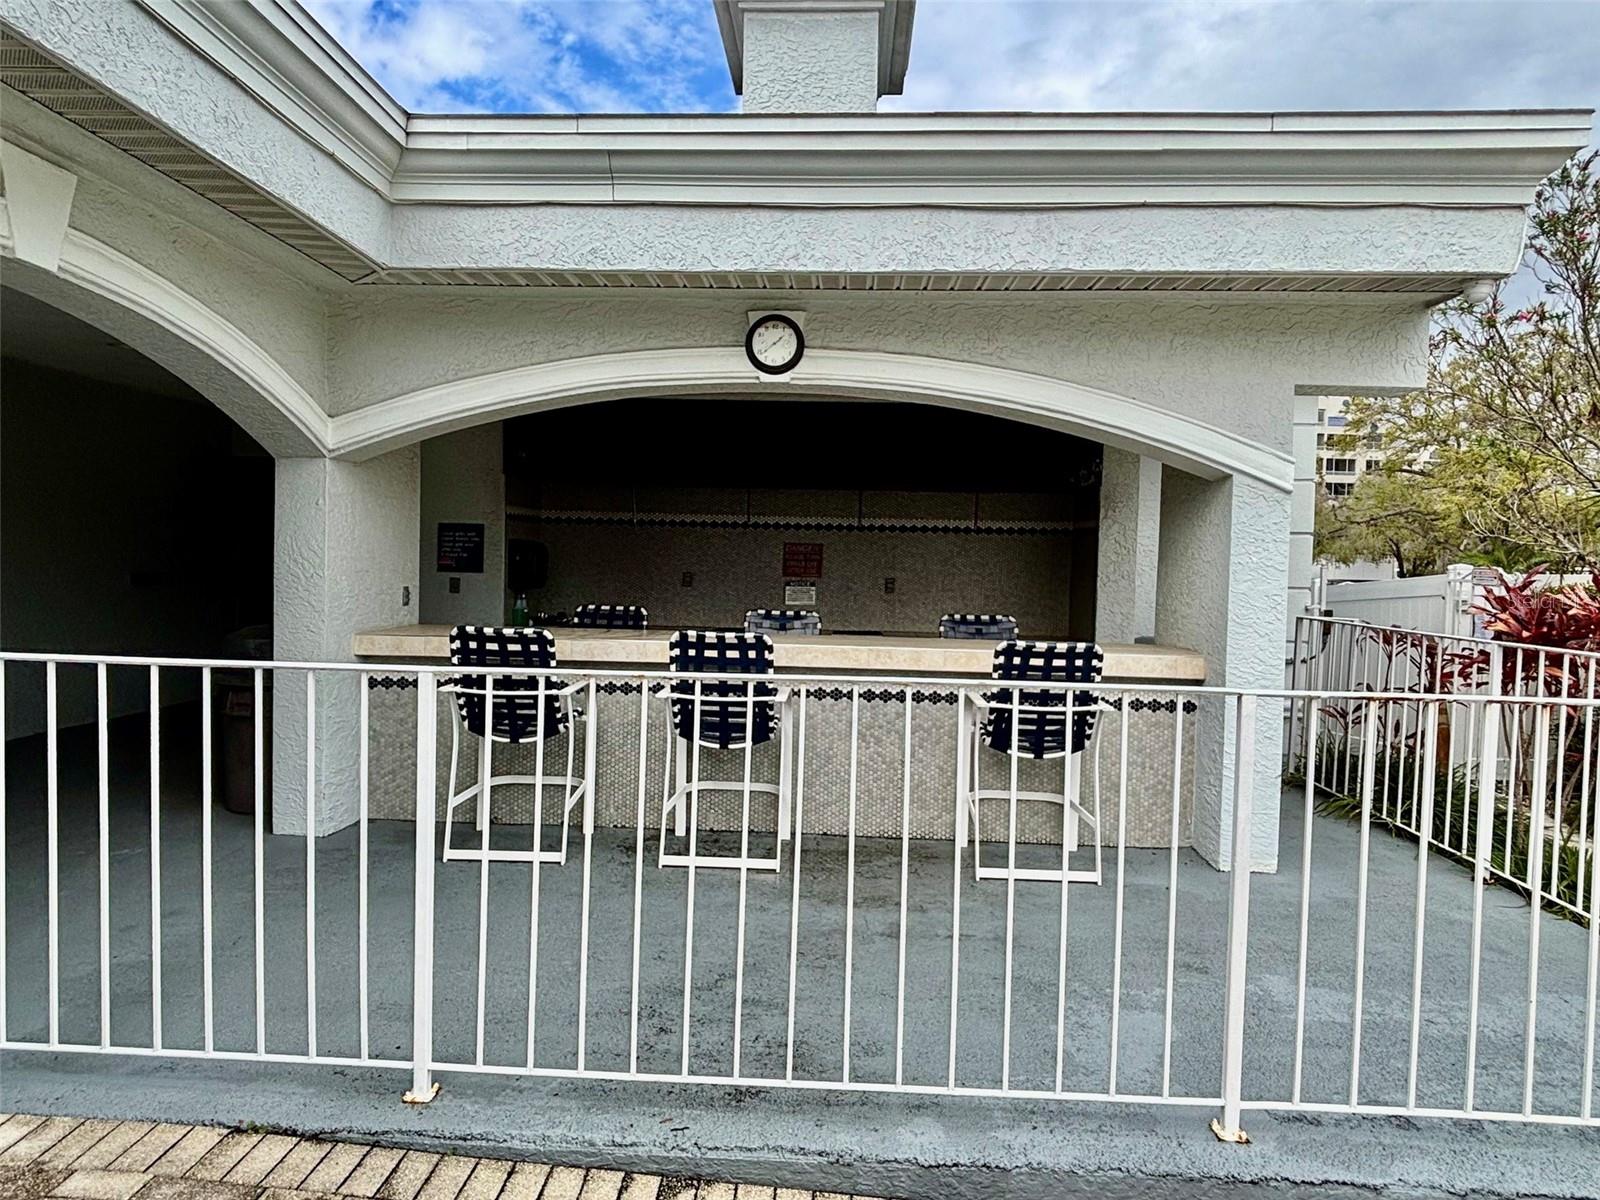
<point>802,560</point>
<point>460,548</point>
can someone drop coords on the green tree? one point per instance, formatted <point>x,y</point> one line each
<point>1497,459</point>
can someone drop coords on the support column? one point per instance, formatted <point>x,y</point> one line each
<point>1220,590</point>
<point>345,559</point>
<point>1303,519</point>
<point>1130,539</point>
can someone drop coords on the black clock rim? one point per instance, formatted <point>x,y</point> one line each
<point>788,364</point>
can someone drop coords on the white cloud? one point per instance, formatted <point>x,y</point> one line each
<point>1111,55</point>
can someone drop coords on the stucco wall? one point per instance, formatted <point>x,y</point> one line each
<point>810,62</point>
<point>1228,362</point>
<point>463,480</point>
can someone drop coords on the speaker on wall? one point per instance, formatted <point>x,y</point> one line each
<point>527,565</point>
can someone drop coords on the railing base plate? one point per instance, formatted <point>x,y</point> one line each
<point>432,1094</point>
<point>1237,1136</point>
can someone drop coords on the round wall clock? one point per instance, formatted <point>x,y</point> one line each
<point>774,344</point>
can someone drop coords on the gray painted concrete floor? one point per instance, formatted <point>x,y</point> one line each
<point>892,1144</point>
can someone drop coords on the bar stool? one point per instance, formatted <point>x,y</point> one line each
<point>611,616</point>
<point>1048,724</point>
<point>519,711</point>
<point>722,714</point>
<point>981,627</point>
<point>782,620</point>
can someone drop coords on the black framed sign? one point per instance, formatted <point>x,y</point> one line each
<point>460,547</point>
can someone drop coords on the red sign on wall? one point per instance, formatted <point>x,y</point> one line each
<point>802,560</point>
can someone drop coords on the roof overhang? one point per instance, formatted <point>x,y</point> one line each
<point>1006,201</point>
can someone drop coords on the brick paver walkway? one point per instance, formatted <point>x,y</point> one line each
<point>76,1159</point>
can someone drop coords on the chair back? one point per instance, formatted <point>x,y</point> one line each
<point>982,627</point>
<point>515,701</point>
<point>611,616</point>
<point>1043,734</point>
<point>782,620</point>
<point>727,716</point>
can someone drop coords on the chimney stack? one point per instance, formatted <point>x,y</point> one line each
<point>816,56</point>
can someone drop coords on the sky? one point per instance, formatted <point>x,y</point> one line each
<point>1074,55</point>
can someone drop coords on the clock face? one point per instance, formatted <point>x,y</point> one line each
<point>774,344</point>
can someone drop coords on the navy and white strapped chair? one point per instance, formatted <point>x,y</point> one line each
<point>1025,723</point>
<point>979,627</point>
<point>717,715</point>
<point>782,620</point>
<point>611,616</point>
<point>511,710</point>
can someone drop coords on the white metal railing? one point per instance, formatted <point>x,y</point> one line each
<point>865,963</point>
<point>1547,758</point>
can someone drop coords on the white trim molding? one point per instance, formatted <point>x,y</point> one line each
<point>1103,416</point>
<point>38,199</point>
<point>103,271</point>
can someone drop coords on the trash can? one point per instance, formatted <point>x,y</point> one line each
<point>233,708</point>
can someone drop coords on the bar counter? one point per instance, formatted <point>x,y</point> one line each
<point>867,797</point>
<point>881,654</point>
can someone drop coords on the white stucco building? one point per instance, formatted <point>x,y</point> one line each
<point>220,187</point>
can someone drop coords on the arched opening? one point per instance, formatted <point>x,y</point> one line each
<point>881,516</point>
<point>136,516</point>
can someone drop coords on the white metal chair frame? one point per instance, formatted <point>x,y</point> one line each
<point>577,788</point>
<point>683,782</point>
<point>971,795</point>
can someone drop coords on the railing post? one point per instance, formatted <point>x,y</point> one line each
<point>1244,768</point>
<point>423,1087</point>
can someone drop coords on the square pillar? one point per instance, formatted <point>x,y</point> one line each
<point>1130,540</point>
<point>1220,590</point>
<point>345,560</point>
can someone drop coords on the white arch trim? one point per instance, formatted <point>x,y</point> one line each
<point>104,271</point>
<point>845,374</point>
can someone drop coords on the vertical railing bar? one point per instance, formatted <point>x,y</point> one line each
<point>534,873</point>
<point>693,802</point>
<point>1116,937</point>
<point>259,767</point>
<point>423,1089</point>
<point>155,858</point>
<point>905,882</point>
<point>744,877</point>
<point>1541,737</point>
<point>850,875</point>
<point>362,852</point>
<point>638,876</point>
<point>962,783</point>
<point>1590,989</point>
<point>794,896</point>
<point>1584,794</point>
<point>103,771</point>
<point>1072,781</point>
<point>311,863</point>
<point>1488,773</point>
<point>1015,756</point>
<point>484,813</point>
<point>1172,890</point>
<point>1516,713</point>
<point>1227,1128</point>
<point>1368,767</point>
<point>1430,743</point>
<point>1308,826</point>
<point>1555,799</point>
<point>53,844</point>
<point>1393,735</point>
<point>205,856</point>
<point>591,724</point>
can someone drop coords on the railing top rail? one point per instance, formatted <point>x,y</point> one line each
<point>968,683</point>
<point>1472,639</point>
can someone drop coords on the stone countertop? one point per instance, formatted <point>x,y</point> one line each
<point>883,655</point>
